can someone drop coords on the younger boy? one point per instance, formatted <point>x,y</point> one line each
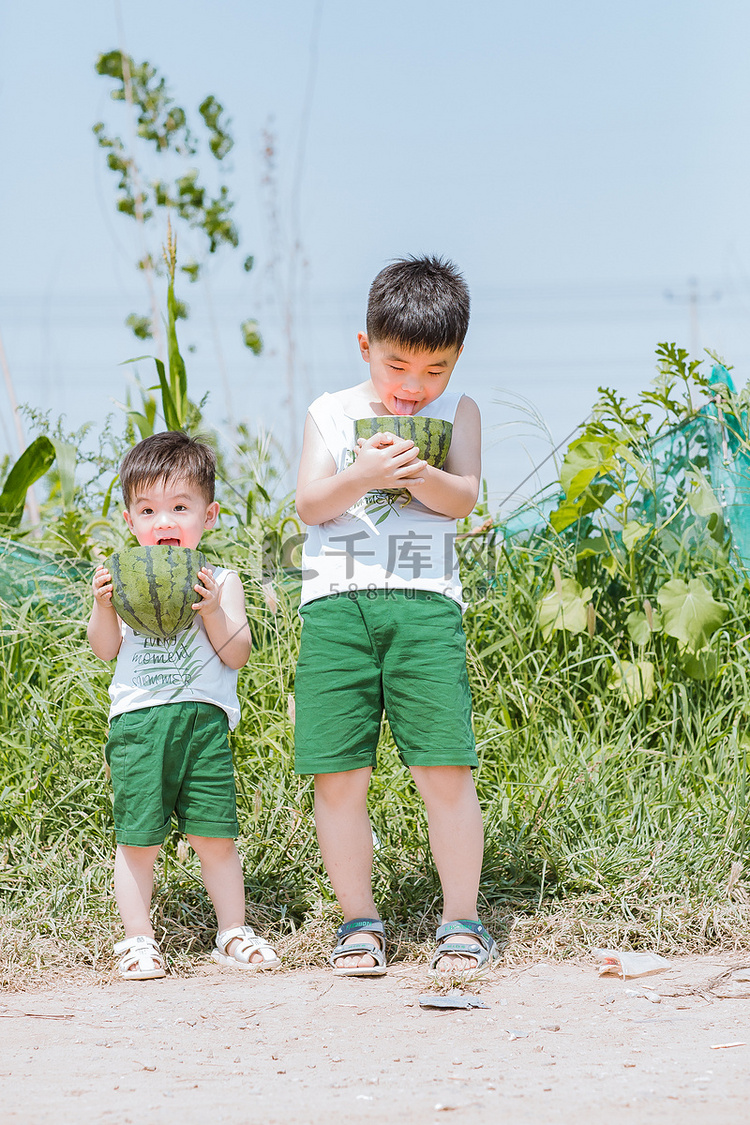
<point>381,606</point>
<point>168,749</point>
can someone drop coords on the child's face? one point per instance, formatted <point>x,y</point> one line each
<point>171,514</point>
<point>406,381</point>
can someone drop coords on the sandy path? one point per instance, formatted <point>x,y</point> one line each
<point>556,1044</point>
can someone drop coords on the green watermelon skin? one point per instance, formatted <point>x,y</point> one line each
<point>152,588</point>
<point>431,435</point>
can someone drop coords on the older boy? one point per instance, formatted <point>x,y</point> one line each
<point>381,605</point>
<point>168,749</point>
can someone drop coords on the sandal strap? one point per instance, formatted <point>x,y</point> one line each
<point>483,950</point>
<point>223,938</point>
<point>478,952</point>
<point>139,944</point>
<point>138,950</point>
<point>466,926</point>
<point>249,943</point>
<point>357,948</point>
<point>364,926</point>
<point>368,925</point>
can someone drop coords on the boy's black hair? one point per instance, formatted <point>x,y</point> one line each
<point>168,456</point>
<point>419,303</point>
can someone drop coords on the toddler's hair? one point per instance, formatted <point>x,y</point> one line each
<point>419,303</point>
<point>171,455</point>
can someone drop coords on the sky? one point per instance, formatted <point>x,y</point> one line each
<point>585,164</point>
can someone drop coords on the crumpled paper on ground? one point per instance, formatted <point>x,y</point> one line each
<point>627,965</point>
<point>454,999</point>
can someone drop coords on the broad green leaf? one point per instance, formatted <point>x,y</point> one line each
<point>585,459</point>
<point>703,499</point>
<point>634,680</point>
<point>690,613</point>
<point>566,609</point>
<point>644,475</point>
<point>639,629</point>
<point>588,548</point>
<point>701,665</point>
<point>715,525</point>
<point>65,459</point>
<point>567,514</point>
<point>632,533</point>
<point>145,427</point>
<point>30,466</point>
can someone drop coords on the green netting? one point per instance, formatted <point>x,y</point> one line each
<point>27,573</point>
<point>715,442</point>
<point>729,469</point>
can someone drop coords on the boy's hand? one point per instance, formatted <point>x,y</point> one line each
<point>387,461</point>
<point>209,593</point>
<point>102,587</point>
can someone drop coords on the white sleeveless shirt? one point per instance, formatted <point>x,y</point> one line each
<point>374,546</point>
<point>150,672</point>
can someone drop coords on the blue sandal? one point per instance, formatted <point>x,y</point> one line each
<point>374,949</point>
<point>483,950</point>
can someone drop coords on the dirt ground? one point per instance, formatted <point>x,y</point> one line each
<point>556,1043</point>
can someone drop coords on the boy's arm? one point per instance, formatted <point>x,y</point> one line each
<point>453,491</point>
<point>222,609</point>
<point>382,462</point>
<point>104,630</point>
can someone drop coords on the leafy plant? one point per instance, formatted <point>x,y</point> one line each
<point>178,412</point>
<point>33,463</point>
<point>639,525</point>
<point>610,705</point>
<point>157,176</point>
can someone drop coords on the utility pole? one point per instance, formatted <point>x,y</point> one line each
<point>693,299</point>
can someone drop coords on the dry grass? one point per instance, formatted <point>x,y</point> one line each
<point>554,932</point>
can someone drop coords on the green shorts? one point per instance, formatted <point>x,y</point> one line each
<point>173,758</point>
<point>363,652</point>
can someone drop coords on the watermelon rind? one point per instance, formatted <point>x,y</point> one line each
<point>431,435</point>
<point>152,588</point>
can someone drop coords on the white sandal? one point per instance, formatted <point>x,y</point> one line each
<point>140,958</point>
<point>248,944</point>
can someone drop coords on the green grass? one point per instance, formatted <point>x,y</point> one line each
<point>605,823</point>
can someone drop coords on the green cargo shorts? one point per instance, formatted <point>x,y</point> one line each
<point>173,758</point>
<point>369,651</point>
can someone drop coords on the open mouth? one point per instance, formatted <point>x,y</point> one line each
<point>167,542</point>
<point>404,406</point>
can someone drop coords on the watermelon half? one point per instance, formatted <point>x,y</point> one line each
<point>431,435</point>
<point>152,588</point>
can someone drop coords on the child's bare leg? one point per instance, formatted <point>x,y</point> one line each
<point>223,879</point>
<point>345,839</point>
<point>134,885</point>
<point>456,839</point>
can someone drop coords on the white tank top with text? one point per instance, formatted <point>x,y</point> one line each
<point>373,545</point>
<point>151,672</point>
